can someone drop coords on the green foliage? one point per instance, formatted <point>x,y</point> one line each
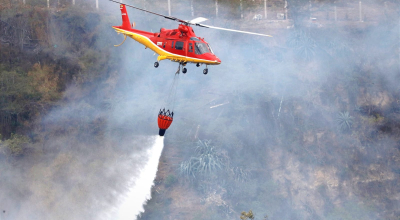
<point>247,215</point>
<point>303,44</point>
<point>170,180</point>
<point>16,145</point>
<point>24,94</point>
<point>44,82</point>
<point>344,120</point>
<point>15,90</point>
<point>77,52</point>
<point>207,160</point>
<point>187,168</point>
<point>376,118</point>
<point>307,49</point>
<point>207,163</point>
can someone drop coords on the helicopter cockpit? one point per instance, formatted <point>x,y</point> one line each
<point>202,48</point>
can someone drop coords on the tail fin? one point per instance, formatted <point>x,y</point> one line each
<point>125,19</point>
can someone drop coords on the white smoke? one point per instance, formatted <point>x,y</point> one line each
<point>130,204</point>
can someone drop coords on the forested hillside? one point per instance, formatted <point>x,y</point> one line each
<point>301,126</point>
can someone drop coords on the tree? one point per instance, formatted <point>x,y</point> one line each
<point>303,45</point>
<point>344,120</point>
<point>45,82</point>
<point>247,215</point>
<point>298,10</point>
<point>206,161</point>
<point>15,146</point>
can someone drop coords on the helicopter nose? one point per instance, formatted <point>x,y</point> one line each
<point>211,57</point>
<point>217,60</point>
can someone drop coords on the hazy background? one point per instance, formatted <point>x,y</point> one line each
<point>279,125</point>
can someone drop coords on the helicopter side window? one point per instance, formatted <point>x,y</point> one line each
<point>194,39</point>
<point>201,48</point>
<point>172,44</point>
<point>179,45</point>
<point>190,47</point>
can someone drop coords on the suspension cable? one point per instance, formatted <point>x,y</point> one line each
<point>172,91</point>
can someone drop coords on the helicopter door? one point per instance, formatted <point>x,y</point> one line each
<point>169,44</point>
<point>185,48</point>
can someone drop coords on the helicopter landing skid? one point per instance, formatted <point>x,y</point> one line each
<point>184,70</point>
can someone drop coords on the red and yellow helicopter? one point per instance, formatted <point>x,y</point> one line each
<point>178,45</point>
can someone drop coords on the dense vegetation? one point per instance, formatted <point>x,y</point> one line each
<point>308,130</point>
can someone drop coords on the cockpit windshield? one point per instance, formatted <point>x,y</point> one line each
<point>209,47</point>
<point>201,48</point>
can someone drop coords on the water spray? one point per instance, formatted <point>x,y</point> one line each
<point>131,204</point>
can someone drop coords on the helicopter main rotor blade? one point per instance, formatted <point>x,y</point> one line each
<point>165,16</point>
<point>197,20</point>
<point>226,29</point>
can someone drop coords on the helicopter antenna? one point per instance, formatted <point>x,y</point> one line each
<point>193,22</point>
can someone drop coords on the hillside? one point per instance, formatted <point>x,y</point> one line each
<point>301,126</point>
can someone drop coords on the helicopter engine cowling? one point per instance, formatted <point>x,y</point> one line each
<point>183,28</point>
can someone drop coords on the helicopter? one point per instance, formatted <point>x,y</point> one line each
<point>178,45</point>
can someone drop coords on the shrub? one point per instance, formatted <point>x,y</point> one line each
<point>187,168</point>
<point>170,180</point>
<point>16,145</point>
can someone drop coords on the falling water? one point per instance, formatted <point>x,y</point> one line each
<point>139,192</point>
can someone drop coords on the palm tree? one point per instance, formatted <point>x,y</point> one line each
<point>187,168</point>
<point>303,44</point>
<point>207,160</point>
<point>345,120</point>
